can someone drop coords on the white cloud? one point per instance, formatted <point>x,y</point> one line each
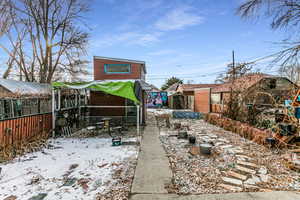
<point>178,18</point>
<point>162,52</point>
<point>128,38</point>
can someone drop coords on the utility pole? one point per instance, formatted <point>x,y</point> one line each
<point>233,76</point>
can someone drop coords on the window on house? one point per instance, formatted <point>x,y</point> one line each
<point>117,68</point>
<point>270,84</point>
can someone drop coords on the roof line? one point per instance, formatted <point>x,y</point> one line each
<point>120,59</point>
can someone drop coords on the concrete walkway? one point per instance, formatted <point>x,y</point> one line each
<point>152,172</point>
<point>233,196</point>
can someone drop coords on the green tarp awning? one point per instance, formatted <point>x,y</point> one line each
<point>123,89</point>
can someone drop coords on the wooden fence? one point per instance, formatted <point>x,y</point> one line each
<point>22,129</point>
<point>218,108</point>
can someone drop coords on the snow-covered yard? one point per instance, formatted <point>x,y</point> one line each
<point>70,168</point>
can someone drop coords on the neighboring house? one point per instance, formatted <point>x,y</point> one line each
<point>117,69</point>
<point>172,89</point>
<point>189,89</point>
<point>196,96</point>
<point>257,89</point>
<point>175,99</point>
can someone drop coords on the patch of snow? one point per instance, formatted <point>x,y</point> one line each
<point>96,158</point>
<point>162,111</point>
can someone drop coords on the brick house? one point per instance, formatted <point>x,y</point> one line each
<point>252,86</point>
<point>118,69</point>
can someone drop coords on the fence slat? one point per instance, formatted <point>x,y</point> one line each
<point>1,134</point>
<point>24,128</point>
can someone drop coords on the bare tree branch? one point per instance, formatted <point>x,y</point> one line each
<point>53,32</point>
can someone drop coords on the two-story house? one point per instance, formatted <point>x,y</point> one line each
<point>117,69</point>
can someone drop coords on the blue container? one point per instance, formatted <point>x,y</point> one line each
<point>288,103</point>
<point>187,115</point>
<point>297,112</point>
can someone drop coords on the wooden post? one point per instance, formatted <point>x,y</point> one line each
<point>53,112</point>
<point>138,119</point>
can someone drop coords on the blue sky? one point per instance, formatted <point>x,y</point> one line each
<point>185,38</point>
<point>190,39</point>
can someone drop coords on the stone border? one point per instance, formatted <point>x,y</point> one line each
<point>243,129</point>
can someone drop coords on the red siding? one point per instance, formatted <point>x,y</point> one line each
<point>99,74</point>
<point>102,99</point>
<point>202,100</point>
<point>24,128</point>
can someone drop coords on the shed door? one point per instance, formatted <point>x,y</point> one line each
<point>202,100</point>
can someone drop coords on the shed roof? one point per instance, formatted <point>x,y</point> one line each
<point>192,87</point>
<point>241,83</point>
<point>25,88</point>
<point>154,88</point>
<point>173,87</point>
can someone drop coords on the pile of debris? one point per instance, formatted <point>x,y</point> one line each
<point>234,164</point>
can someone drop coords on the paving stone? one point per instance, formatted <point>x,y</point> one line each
<point>231,187</point>
<point>226,146</point>
<point>236,175</point>
<point>253,181</point>
<point>236,151</point>
<point>219,144</point>
<point>247,186</point>
<point>232,181</point>
<point>264,177</point>
<point>295,159</point>
<point>223,140</point>
<point>263,170</point>
<point>248,164</point>
<point>245,169</point>
<point>243,156</point>
<point>229,151</point>
<point>214,136</point>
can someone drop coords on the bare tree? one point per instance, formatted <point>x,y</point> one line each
<point>292,72</point>
<point>4,17</point>
<point>284,14</point>
<point>233,72</point>
<point>47,38</point>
